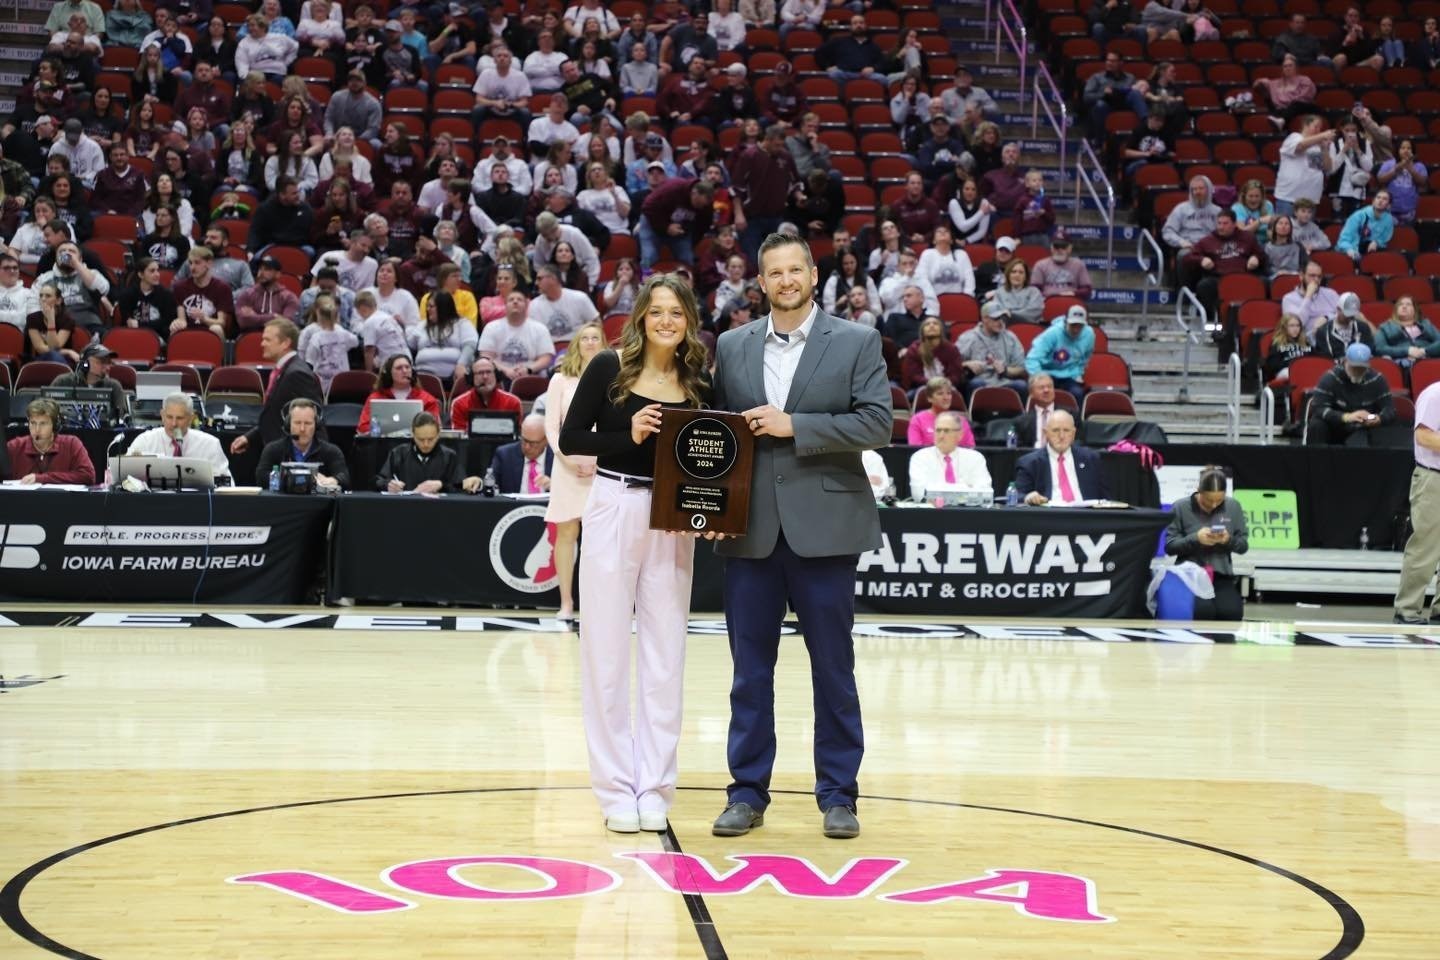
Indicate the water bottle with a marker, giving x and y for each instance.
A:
(374, 428)
(1364, 538)
(275, 479)
(487, 486)
(1012, 439)
(1012, 493)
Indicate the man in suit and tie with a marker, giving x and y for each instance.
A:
(292, 379)
(1060, 472)
(1030, 425)
(814, 392)
(523, 466)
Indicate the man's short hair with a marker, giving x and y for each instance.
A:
(545, 221)
(44, 407)
(200, 252)
(705, 188)
(285, 330)
(178, 399)
(1225, 212)
(1304, 203)
(777, 240)
(547, 270)
(281, 183)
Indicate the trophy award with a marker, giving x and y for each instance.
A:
(702, 472)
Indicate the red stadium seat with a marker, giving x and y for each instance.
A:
(1416, 288)
(1362, 286)
(236, 384)
(992, 403)
(138, 346)
(958, 308)
(1384, 263)
(201, 349)
(351, 386)
(1423, 374)
(39, 373)
(1107, 405)
(1107, 371)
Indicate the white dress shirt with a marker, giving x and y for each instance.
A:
(875, 469)
(1042, 416)
(927, 471)
(782, 357)
(1055, 495)
(196, 445)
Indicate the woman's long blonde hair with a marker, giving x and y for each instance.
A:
(689, 357)
(573, 363)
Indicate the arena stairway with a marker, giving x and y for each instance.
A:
(22, 38)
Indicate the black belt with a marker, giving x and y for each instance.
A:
(625, 478)
(1431, 469)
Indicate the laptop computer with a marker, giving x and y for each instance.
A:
(394, 416)
(165, 473)
(497, 425)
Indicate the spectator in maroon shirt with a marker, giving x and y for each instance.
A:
(1004, 187)
(676, 215)
(120, 187)
(785, 100)
(917, 214)
(761, 180)
(46, 456)
(206, 94)
(687, 97)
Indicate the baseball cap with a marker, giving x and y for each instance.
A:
(44, 118)
(655, 165)
(940, 118)
(783, 67)
(499, 138)
(1007, 244)
(1076, 314)
(736, 69)
(99, 351)
(1358, 354)
(654, 140)
(269, 263)
(1350, 304)
(73, 125)
(395, 25)
(1059, 240)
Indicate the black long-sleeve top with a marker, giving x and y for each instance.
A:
(406, 464)
(609, 442)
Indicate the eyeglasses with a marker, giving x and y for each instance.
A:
(940, 430)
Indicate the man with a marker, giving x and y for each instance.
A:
(687, 41)
(502, 91)
(1368, 229)
(761, 183)
(964, 95)
(993, 355)
(423, 465)
(486, 393)
(500, 156)
(850, 56)
(561, 204)
(687, 97)
(291, 379)
(1192, 220)
(947, 465)
(301, 445)
(903, 326)
(1349, 402)
(1004, 186)
(354, 267)
(807, 472)
(44, 454)
(178, 437)
(1228, 250)
(235, 273)
(942, 150)
(284, 219)
(991, 276)
(356, 108)
(549, 232)
(1063, 350)
(82, 287)
(1113, 88)
(1112, 19)
(784, 102)
(518, 346)
(398, 63)
(1312, 301)
(806, 148)
(1061, 275)
(204, 300)
(1422, 550)
(589, 94)
(1304, 165)
(1060, 473)
(94, 373)
(1346, 327)
(1298, 42)
(562, 311)
(1030, 426)
(404, 217)
(502, 203)
(553, 125)
(676, 215)
(14, 295)
(266, 300)
(915, 213)
(524, 465)
(59, 18)
(209, 96)
(736, 100)
(85, 156)
(120, 187)
(893, 287)
(1151, 142)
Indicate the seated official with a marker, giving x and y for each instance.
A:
(94, 372)
(178, 437)
(44, 455)
(1030, 425)
(485, 394)
(1349, 402)
(1208, 528)
(397, 382)
(524, 465)
(301, 419)
(1060, 472)
(423, 465)
(947, 465)
(875, 470)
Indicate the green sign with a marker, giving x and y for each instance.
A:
(1272, 518)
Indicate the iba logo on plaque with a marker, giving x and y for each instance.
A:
(702, 472)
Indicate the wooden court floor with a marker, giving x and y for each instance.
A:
(354, 794)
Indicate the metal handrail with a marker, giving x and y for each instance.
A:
(1187, 298)
(1267, 416)
(1153, 278)
(1060, 126)
(1020, 46)
(1232, 399)
(1106, 206)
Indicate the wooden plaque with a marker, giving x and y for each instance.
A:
(702, 472)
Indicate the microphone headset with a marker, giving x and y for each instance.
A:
(301, 402)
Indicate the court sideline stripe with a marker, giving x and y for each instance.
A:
(695, 903)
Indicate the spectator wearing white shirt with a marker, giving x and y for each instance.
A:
(542, 67)
(264, 51)
(552, 127)
(14, 298)
(727, 27)
(1304, 165)
(561, 311)
(801, 15)
(390, 296)
(946, 268)
(576, 17)
(605, 199)
(520, 179)
(906, 274)
(381, 334)
(519, 345)
(85, 155)
(502, 91)
(178, 437)
(354, 265)
(550, 231)
(947, 465)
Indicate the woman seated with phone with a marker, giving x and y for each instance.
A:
(1208, 529)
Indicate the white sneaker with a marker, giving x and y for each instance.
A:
(653, 821)
(623, 823)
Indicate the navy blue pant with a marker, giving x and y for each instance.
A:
(821, 591)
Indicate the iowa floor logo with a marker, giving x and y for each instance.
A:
(522, 550)
(19, 542)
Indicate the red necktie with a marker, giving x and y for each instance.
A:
(1067, 492)
(270, 383)
(532, 482)
(176, 445)
(949, 470)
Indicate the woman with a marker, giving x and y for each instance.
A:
(1253, 212)
(1290, 95)
(970, 213)
(1352, 161)
(1407, 337)
(164, 243)
(393, 298)
(560, 157)
(319, 35)
(28, 245)
(510, 252)
(846, 276)
(102, 119)
(397, 382)
(886, 257)
(986, 148)
(447, 280)
(570, 477)
(1287, 344)
(295, 119)
(334, 221)
(447, 236)
(45, 455)
(947, 269)
(572, 277)
(399, 159)
(592, 64)
(144, 137)
(290, 161)
(253, 98)
(1405, 177)
(127, 24)
(444, 345)
(217, 48)
(639, 573)
(242, 162)
(930, 356)
(941, 394)
(598, 150)
(151, 79)
(441, 150)
(147, 302)
(45, 94)
(48, 331)
(71, 206)
(1208, 529)
(905, 59)
(1167, 98)
(198, 134)
(1282, 253)
(1015, 300)
(324, 344)
(344, 149)
(910, 107)
(856, 308)
(493, 306)
(605, 199)
(618, 296)
(164, 194)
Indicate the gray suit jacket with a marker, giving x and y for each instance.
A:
(812, 485)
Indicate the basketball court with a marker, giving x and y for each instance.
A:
(412, 783)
